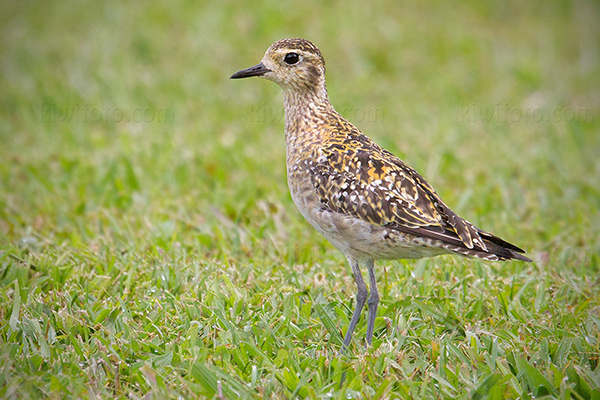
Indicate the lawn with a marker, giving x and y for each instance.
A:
(149, 247)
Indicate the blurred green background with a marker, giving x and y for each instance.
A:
(141, 190)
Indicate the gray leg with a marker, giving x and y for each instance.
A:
(361, 298)
(373, 302)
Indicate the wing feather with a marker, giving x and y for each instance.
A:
(355, 176)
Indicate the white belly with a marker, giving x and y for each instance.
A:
(353, 236)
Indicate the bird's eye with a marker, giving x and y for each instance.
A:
(291, 58)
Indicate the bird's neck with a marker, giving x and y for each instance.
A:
(304, 111)
(307, 120)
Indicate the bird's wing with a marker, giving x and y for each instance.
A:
(355, 176)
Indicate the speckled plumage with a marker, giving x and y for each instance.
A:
(363, 199)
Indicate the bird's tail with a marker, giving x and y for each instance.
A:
(497, 249)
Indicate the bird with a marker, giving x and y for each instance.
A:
(363, 199)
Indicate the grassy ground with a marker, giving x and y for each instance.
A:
(149, 247)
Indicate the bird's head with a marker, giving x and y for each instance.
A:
(294, 64)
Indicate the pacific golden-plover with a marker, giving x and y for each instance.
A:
(367, 202)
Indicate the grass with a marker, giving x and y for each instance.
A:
(149, 247)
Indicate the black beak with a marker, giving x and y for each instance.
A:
(257, 70)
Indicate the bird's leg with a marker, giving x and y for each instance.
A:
(361, 298)
(372, 302)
